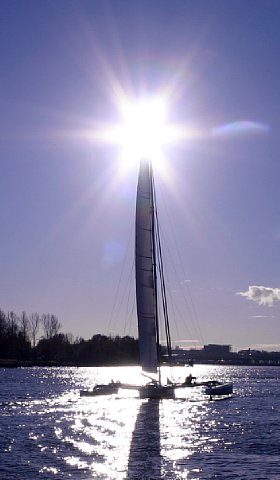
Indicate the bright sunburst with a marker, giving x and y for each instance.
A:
(143, 131)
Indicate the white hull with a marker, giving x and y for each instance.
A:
(222, 389)
(108, 389)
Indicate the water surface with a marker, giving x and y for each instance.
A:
(48, 431)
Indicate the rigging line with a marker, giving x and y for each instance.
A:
(175, 306)
(163, 290)
(122, 301)
(164, 302)
(112, 315)
(169, 295)
(191, 314)
(166, 319)
(190, 295)
(130, 317)
(192, 310)
(154, 262)
(129, 297)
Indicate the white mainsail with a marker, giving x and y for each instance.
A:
(144, 269)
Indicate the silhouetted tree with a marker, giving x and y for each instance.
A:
(59, 347)
(3, 333)
(24, 325)
(103, 350)
(34, 322)
(51, 325)
(12, 332)
(56, 348)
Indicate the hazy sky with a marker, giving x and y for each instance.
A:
(67, 208)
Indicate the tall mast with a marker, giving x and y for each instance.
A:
(158, 265)
(154, 250)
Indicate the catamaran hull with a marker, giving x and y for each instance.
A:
(156, 391)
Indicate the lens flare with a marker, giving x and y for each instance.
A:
(240, 127)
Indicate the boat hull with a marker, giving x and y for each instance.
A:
(109, 389)
(222, 389)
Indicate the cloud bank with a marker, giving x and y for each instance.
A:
(262, 295)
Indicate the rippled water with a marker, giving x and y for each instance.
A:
(48, 431)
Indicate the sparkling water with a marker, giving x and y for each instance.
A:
(47, 431)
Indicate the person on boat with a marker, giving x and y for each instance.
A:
(189, 379)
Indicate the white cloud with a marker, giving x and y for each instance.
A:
(262, 295)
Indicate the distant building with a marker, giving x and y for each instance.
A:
(245, 353)
(216, 352)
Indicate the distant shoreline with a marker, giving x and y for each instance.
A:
(44, 363)
(10, 363)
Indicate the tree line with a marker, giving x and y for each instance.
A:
(37, 339)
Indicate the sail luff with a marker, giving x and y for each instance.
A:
(144, 270)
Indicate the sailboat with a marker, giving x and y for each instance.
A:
(150, 285)
(150, 293)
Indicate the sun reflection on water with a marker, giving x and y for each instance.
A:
(54, 433)
(121, 436)
(136, 436)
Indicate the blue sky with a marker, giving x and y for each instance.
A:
(67, 209)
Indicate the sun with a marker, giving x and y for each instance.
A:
(142, 134)
(143, 131)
